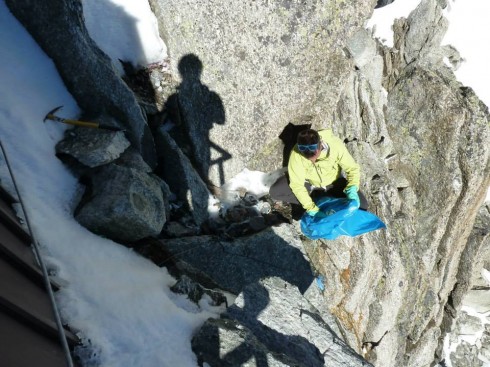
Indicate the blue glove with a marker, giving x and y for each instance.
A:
(351, 193)
(318, 214)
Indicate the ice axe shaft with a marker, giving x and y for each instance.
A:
(94, 125)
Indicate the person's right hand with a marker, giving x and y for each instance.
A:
(352, 194)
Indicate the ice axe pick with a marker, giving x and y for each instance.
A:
(94, 125)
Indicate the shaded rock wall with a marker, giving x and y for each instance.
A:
(184, 181)
(58, 27)
(259, 335)
(231, 265)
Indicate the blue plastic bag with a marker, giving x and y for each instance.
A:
(343, 219)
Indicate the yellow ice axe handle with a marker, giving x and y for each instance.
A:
(93, 125)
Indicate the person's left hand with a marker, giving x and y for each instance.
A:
(351, 193)
(318, 214)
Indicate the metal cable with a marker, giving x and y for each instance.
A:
(59, 324)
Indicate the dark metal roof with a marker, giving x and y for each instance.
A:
(29, 333)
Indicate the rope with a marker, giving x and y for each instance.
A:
(59, 324)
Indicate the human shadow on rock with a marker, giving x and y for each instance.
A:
(260, 342)
(195, 109)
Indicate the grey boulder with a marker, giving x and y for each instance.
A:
(93, 147)
(125, 204)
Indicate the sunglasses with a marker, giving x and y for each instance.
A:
(310, 147)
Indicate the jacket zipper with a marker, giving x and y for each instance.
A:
(320, 177)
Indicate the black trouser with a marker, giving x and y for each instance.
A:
(281, 191)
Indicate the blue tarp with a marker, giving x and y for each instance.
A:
(343, 219)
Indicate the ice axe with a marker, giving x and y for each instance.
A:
(94, 125)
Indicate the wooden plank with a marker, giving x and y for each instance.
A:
(23, 294)
(20, 254)
(28, 302)
(10, 220)
(18, 291)
(21, 346)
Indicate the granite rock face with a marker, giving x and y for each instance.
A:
(247, 69)
(469, 335)
(424, 153)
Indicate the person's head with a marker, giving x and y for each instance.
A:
(308, 142)
(190, 67)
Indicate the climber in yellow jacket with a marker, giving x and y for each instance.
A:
(319, 165)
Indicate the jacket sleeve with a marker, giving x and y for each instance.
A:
(297, 177)
(349, 166)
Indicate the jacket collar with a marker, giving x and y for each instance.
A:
(325, 149)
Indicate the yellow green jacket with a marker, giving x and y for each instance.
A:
(324, 171)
